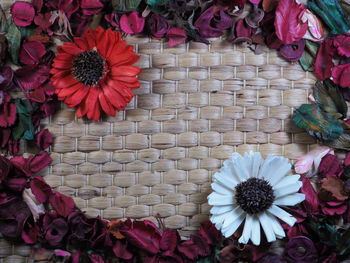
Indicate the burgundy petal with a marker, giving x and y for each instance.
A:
(39, 161)
(91, 7)
(294, 51)
(31, 52)
(43, 139)
(62, 204)
(40, 189)
(341, 75)
(132, 23)
(323, 61)
(176, 36)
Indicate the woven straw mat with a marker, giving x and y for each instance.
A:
(197, 105)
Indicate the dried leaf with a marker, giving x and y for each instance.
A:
(317, 123)
(125, 5)
(157, 2)
(331, 12)
(329, 98)
(306, 61)
(334, 185)
(341, 143)
(14, 38)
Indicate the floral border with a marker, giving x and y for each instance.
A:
(32, 212)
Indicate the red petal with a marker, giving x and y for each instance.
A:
(62, 64)
(125, 71)
(81, 43)
(69, 90)
(115, 98)
(105, 105)
(77, 97)
(70, 48)
(63, 205)
(288, 21)
(65, 82)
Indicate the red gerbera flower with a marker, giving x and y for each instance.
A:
(95, 73)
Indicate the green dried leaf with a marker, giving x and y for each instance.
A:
(331, 12)
(125, 5)
(343, 246)
(24, 126)
(330, 99)
(312, 47)
(341, 143)
(317, 123)
(306, 61)
(157, 2)
(14, 39)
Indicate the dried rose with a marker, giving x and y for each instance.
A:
(132, 23)
(293, 52)
(301, 249)
(157, 26)
(176, 36)
(31, 52)
(53, 229)
(14, 212)
(22, 13)
(212, 22)
(43, 139)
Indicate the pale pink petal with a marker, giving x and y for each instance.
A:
(311, 161)
(315, 29)
(34, 205)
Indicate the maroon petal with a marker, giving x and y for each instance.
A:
(330, 165)
(209, 232)
(44, 21)
(62, 204)
(120, 249)
(16, 184)
(40, 189)
(341, 75)
(43, 139)
(31, 52)
(157, 26)
(311, 202)
(30, 233)
(32, 76)
(38, 95)
(342, 43)
(5, 168)
(39, 162)
(189, 249)
(8, 114)
(96, 258)
(176, 36)
(170, 238)
(323, 61)
(22, 13)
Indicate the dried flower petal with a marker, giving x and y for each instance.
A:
(43, 139)
(132, 23)
(22, 13)
(31, 52)
(294, 51)
(176, 36)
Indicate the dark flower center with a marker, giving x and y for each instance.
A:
(254, 195)
(88, 67)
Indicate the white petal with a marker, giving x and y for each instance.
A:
(220, 209)
(231, 228)
(233, 215)
(281, 214)
(289, 179)
(290, 200)
(226, 177)
(221, 189)
(267, 227)
(288, 189)
(218, 199)
(253, 162)
(219, 219)
(255, 235)
(239, 167)
(247, 230)
(276, 226)
(274, 169)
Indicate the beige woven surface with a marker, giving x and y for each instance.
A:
(197, 105)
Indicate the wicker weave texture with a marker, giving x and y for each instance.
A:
(196, 106)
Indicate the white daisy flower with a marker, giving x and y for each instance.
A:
(250, 189)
